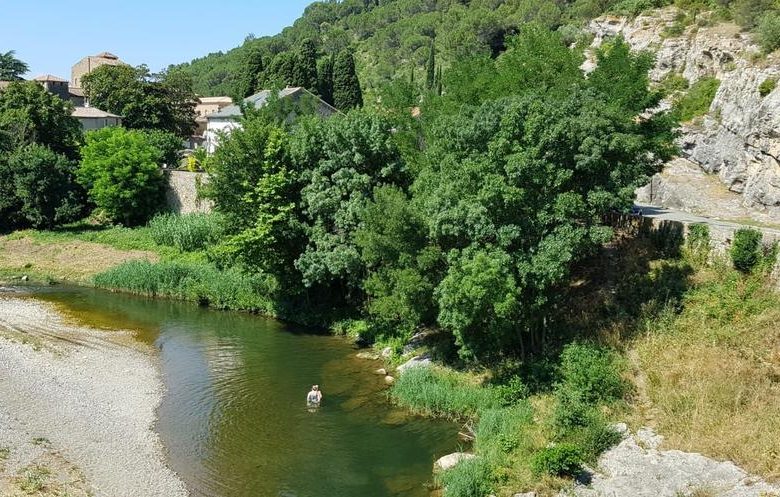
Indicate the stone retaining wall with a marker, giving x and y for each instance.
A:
(182, 195)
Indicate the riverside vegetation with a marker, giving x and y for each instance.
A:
(482, 220)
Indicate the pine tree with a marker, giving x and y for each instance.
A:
(325, 78)
(346, 86)
(431, 68)
(305, 70)
(252, 72)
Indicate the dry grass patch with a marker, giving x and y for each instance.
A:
(712, 373)
(73, 260)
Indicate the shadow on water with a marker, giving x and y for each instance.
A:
(234, 419)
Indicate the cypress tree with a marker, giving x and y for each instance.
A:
(346, 86)
(438, 81)
(325, 78)
(305, 67)
(431, 68)
(252, 72)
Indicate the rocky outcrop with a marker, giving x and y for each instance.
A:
(638, 468)
(738, 141)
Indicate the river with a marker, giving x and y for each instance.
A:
(233, 419)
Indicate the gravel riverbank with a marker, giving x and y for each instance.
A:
(79, 405)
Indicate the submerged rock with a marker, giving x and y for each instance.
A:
(389, 380)
(451, 460)
(381, 371)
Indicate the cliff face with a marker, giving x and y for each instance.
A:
(739, 139)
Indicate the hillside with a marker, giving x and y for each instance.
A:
(392, 37)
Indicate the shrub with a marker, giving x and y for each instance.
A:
(746, 249)
(500, 431)
(767, 86)
(593, 372)
(168, 144)
(38, 188)
(513, 391)
(769, 32)
(698, 99)
(558, 460)
(187, 232)
(697, 243)
(438, 392)
(468, 478)
(673, 83)
(120, 172)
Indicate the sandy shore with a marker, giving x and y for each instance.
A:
(77, 405)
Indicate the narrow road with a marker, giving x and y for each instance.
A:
(665, 214)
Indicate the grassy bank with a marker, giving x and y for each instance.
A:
(655, 335)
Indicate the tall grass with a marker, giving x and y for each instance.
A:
(444, 393)
(187, 232)
(191, 281)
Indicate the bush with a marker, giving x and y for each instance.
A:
(698, 99)
(558, 460)
(38, 188)
(468, 478)
(195, 282)
(593, 372)
(187, 232)
(697, 243)
(500, 431)
(673, 83)
(120, 172)
(767, 86)
(746, 249)
(769, 32)
(438, 392)
(168, 144)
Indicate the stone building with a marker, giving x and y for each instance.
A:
(92, 118)
(54, 85)
(206, 106)
(89, 64)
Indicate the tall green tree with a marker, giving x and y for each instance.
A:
(346, 86)
(325, 78)
(251, 72)
(29, 114)
(165, 101)
(11, 68)
(430, 67)
(305, 73)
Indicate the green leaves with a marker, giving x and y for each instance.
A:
(121, 174)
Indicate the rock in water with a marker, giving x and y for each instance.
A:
(389, 380)
(451, 460)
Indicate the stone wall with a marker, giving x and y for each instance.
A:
(182, 193)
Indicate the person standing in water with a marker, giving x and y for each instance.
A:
(314, 397)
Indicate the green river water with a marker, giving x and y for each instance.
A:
(234, 421)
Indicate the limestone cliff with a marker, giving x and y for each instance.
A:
(739, 139)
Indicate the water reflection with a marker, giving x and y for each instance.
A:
(234, 419)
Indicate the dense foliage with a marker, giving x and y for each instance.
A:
(121, 173)
(393, 38)
(468, 219)
(38, 144)
(11, 68)
(164, 102)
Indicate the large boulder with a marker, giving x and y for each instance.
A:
(415, 362)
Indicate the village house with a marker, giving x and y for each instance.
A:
(227, 119)
(92, 118)
(207, 106)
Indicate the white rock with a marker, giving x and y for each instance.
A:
(389, 380)
(381, 371)
(414, 362)
(387, 352)
(451, 460)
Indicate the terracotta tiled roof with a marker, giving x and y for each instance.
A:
(49, 77)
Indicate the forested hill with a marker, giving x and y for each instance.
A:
(391, 37)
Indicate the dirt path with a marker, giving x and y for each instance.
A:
(77, 409)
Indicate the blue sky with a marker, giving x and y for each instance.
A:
(53, 35)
